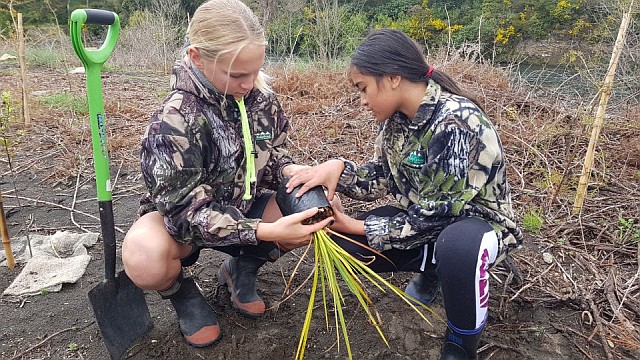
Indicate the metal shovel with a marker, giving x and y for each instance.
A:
(119, 306)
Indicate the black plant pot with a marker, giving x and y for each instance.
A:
(314, 197)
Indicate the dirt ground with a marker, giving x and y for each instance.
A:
(580, 304)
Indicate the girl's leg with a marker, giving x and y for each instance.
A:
(464, 252)
(152, 259)
(239, 272)
(393, 260)
(423, 286)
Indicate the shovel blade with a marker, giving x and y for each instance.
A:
(121, 312)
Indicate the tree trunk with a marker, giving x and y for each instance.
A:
(267, 11)
(23, 73)
(604, 99)
(5, 237)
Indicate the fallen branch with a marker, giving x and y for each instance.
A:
(18, 356)
(599, 327)
(59, 206)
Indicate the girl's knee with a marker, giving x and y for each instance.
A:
(151, 257)
(145, 240)
(463, 234)
(459, 245)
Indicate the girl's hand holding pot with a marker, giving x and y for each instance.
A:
(326, 174)
(289, 232)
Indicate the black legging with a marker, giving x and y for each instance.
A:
(463, 253)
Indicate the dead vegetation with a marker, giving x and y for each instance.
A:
(587, 262)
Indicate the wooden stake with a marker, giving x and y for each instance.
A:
(604, 99)
(11, 263)
(23, 72)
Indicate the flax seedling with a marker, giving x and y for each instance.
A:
(330, 260)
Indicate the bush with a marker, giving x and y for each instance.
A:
(150, 41)
(326, 33)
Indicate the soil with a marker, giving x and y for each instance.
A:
(559, 309)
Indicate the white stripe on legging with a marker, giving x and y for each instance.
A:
(486, 256)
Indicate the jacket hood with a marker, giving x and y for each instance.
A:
(186, 77)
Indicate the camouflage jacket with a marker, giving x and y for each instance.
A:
(446, 163)
(193, 160)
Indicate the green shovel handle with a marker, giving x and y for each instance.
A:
(93, 60)
(80, 17)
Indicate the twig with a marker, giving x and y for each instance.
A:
(575, 286)
(15, 189)
(61, 207)
(115, 179)
(499, 346)
(295, 269)
(285, 298)
(633, 279)
(531, 282)
(600, 327)
(565, 172)
(610, 294)
(49, 338)
(73, 202)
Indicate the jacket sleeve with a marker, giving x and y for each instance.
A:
(457, 168)
(367, 182)
(172, 161)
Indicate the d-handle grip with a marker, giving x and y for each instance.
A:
(100, 17)
(79, 17)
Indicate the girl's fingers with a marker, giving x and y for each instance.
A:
(299, 217)
(330, 194)
(293, 182)
(322, 224)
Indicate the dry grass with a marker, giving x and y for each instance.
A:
(595, 254)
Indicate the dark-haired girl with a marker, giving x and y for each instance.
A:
(441, 158)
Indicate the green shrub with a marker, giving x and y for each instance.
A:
(532, 221)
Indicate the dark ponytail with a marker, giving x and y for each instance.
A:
(392, 52)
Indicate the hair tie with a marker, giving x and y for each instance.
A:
(429, 72)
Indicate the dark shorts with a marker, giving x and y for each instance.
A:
(263, 249)
(259, 204)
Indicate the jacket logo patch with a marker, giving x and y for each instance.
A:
(415, 159)
(264, 135)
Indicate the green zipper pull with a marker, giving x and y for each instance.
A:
(250, 176)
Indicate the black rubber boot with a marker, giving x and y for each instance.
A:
(198, 322)
(239, 274)
(424, 286)
(460, 347)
